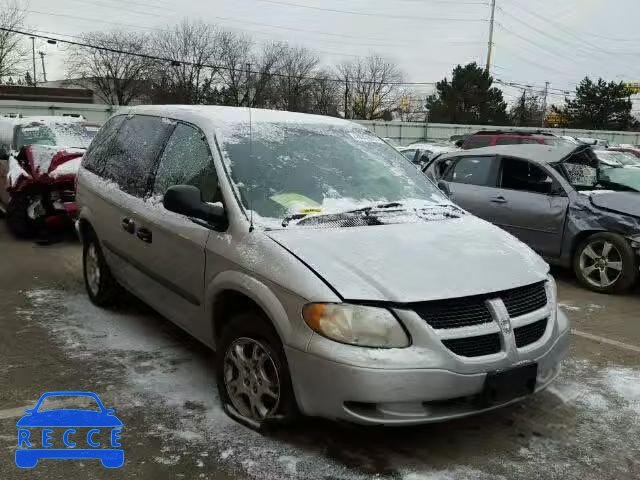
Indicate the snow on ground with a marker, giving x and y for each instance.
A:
(594, 413)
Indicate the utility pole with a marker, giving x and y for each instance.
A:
(544, 103)
(33, 49)
(491, 23)
(346, 96)
(44, 70)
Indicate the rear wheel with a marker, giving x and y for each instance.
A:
(253, 375)
(605, 263)
(101, 286)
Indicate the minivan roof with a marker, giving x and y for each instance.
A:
(216, 116)
(534, 152)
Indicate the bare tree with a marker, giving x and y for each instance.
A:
(12, 48)
(235, 72)
(325, 95)
(246, 75)
(116, 76)
(295, 81)
(194, 50)
(371, 89)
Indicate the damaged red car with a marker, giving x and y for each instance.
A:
(39, 159)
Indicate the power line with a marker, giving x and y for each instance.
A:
(369, 14)
(203, 65)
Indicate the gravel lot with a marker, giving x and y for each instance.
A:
(160, 381)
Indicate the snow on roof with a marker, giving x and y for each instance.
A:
(216, 116)
(47, 119)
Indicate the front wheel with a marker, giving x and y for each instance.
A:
(101, 286)
(605, 263)
(253, 375)
(19, 220)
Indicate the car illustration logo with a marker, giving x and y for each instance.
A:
(85, 433)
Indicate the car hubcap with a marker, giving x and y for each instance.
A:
(92, 269)
(251, 379)
(601, 264)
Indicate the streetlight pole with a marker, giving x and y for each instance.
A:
(33, 49)
(491, 23)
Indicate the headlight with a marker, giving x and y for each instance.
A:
(356, 325)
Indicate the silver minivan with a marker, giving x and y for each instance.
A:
(331, 276)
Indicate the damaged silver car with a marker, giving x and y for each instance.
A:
(564, 202)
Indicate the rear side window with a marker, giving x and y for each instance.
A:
(478, 141)
(95, 156)
(132, 155)
(481, 171)
(187, 160)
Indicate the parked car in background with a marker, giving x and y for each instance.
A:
(612, 158)
(561, 201)
(509, 137)
(421, 153)
(39, 158)
(594, 142)
(329, 274)
(630, 150)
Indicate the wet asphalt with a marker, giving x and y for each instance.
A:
(160, 383)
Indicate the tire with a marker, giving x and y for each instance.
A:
(18, 219)
(609, 253)
(102, 287)
(252, 332)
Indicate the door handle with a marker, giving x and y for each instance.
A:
(144, 235)
(499, 199)
(128, 225)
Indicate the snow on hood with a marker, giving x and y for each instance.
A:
(416, 261)
(67, 168)
(42, 155)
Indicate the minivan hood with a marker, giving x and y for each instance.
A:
(414, 262)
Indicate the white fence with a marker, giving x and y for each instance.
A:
(405, 133)
(402, 132)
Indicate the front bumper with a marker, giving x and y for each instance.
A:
(375, 395)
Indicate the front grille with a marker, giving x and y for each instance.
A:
(523, 300)
(474, 346)
(530, 333)
(455, 313)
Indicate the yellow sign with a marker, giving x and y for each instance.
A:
(405, 103)
(634, 88)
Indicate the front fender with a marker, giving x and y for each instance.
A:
(265, 298)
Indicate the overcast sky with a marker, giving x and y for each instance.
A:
(535, 40)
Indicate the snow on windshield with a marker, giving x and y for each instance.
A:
(281, 169)
(65, 134)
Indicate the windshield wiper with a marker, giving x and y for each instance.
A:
(366, 210)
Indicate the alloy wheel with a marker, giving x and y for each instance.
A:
(601, 263)
(92, 268)
(251, 379)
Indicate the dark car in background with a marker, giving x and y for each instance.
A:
(491, 138)
(561, 201)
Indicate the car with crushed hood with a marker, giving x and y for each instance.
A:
(330, 275)
(39, 158)
(572, 207)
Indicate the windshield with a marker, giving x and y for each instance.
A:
(628, 178)
(76, 135)
(300, 168)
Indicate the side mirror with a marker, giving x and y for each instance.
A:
(444, 187)
(187, 200)
(4, 154)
